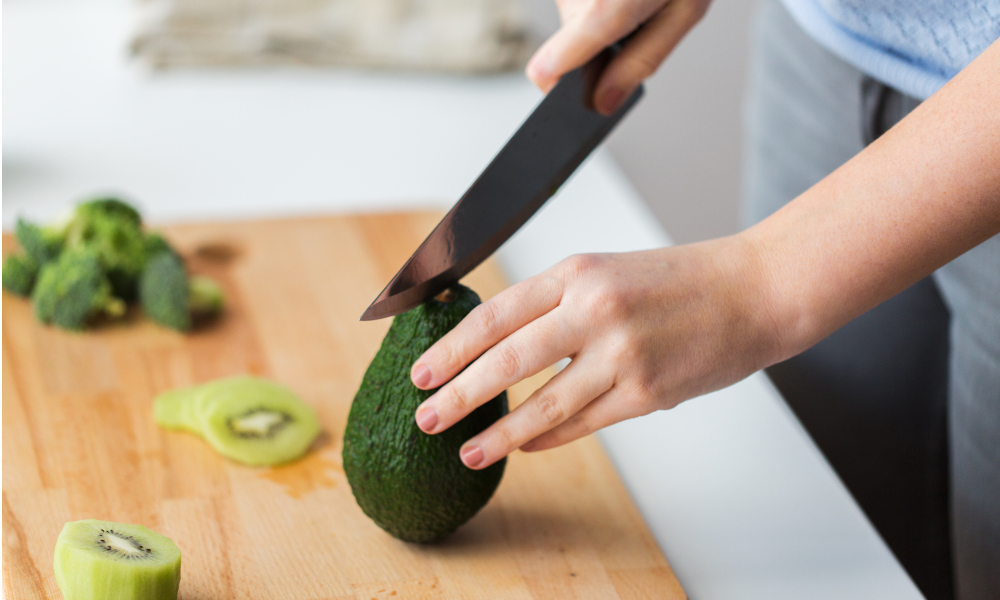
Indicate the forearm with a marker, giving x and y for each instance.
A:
(918, 197)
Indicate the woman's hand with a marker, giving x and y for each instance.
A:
(644, 330)
(589, 26)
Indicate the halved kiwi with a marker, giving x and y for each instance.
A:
(261, 423)
(114, 561)
(250, 420)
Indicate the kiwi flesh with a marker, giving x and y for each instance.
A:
(101, 560)
(173, 410)
(247, 419)
(263, 424)
(207, 395)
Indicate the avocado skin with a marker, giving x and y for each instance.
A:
(412, 484)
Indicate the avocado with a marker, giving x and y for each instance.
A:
(413, 484)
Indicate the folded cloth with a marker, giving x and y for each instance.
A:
(441, 35)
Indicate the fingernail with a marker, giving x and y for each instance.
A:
(528, 446)
(610, 100)
(421, 375)
(472, 456)
(427, 418)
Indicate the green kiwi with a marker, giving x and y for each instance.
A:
(257, 422)
(207, 395)
(101, 560)
(174, 409)
(250, 420)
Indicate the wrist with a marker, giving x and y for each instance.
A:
(773, 303)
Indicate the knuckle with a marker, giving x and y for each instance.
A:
(616, 302)
(509, 361)
(610, 19)
(601, 10)
(459, 400)
(642, 398)
(506, 438)
(607, 302)
(487, 318)
(624, 352)
(450, 357)
(643, 66)
(550, 409)
(580, 264)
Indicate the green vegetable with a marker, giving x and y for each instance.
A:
(154, 243)
(170, 298)
(72, 291)
(163, 291)
(205, 297)
(101, 560)
(99, 259)
(414, 485)
(42, 244)
(113, 230)
(19, 273)
(101, 209)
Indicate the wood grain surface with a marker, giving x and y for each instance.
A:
(79, 442)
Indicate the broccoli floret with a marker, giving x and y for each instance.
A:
(42, 244)
(113, 230)
(19, 272)
(155, 243)
(172, 299)
(205, 297)
(73, 290)
(163, 291)
(108, 209)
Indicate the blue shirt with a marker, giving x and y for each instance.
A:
(915, 46)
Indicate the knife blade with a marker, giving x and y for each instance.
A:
(548, 147)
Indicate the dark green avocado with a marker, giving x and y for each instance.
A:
(412, 484)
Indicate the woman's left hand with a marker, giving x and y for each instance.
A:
(644, 330)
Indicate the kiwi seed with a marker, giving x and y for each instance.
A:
(121, 545)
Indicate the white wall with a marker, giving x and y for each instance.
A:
(681, 145)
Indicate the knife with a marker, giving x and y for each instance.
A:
(559, 135)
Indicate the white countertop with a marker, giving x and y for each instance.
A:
(737, 495)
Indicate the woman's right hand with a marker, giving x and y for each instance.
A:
(589, 26)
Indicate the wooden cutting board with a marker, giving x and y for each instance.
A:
(79, 442)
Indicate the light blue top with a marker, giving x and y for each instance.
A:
(915, 46)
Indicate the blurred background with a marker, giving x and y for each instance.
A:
(680, 147)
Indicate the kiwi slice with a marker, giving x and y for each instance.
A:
(174, 409)
(250, 420)
(208, 394)
(257, 422)
(114, 561)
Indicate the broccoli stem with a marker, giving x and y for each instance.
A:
(205, 297)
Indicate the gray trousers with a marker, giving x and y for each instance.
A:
(807, 113)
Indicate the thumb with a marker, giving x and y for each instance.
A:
(576, 42)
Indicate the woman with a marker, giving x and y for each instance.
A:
(648, 330)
